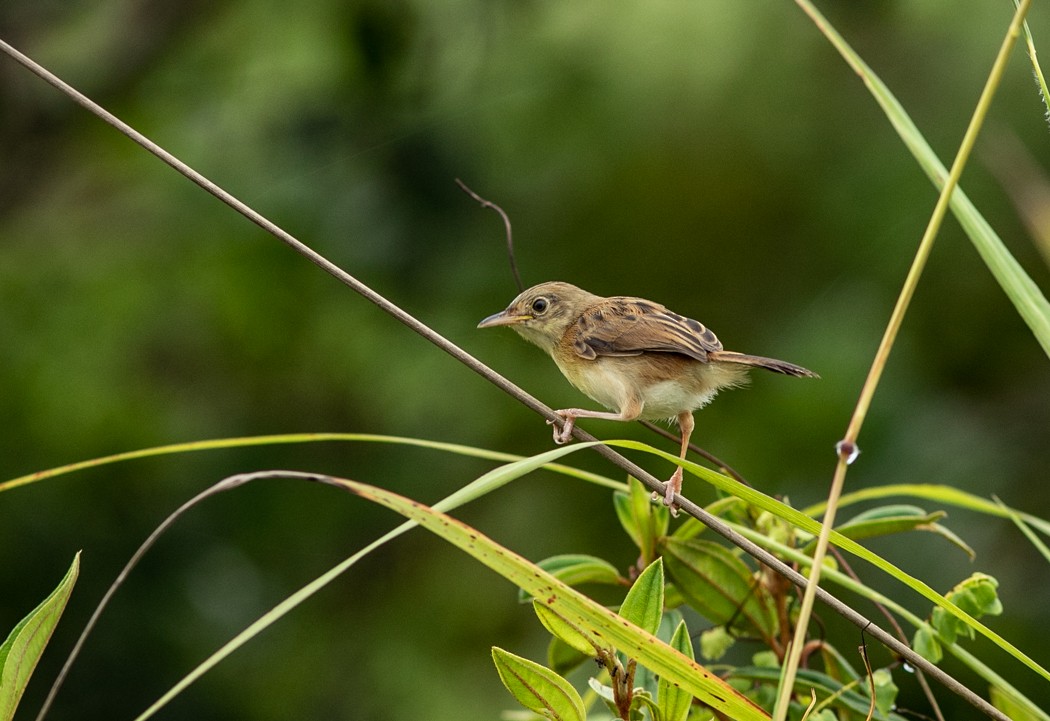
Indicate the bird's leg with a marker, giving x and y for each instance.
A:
(631, 410)
(674, 485)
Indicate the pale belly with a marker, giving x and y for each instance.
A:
(616, 384)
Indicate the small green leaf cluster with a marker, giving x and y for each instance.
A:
(977, 595)
(680, 575)
(627, 693)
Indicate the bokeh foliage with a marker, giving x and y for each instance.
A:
(715, 156)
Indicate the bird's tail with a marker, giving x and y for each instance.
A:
(771, 364)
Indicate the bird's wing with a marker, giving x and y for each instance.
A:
(622, 326)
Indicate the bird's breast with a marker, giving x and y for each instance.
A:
(599, 380)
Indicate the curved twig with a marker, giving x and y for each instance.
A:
(223, 485)
(506, 226)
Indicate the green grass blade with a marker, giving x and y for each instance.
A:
(942, 494)
(572, 605)
(224, 443)
(1028, 533)
(1037, 70)
(1029, 301)
(485, 484)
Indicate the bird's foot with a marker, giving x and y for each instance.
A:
(673, 486)
(563, 433)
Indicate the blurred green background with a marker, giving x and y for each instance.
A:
(716, 156)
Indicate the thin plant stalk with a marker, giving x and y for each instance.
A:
(847, 447)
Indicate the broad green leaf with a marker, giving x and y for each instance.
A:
(572, 605)
(674, 703)
(644, 604)
(672, 596)
(719, 585)
(537, 688)
(577, 568)
(21, 651)
(579, 639)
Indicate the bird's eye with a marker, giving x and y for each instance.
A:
(540, 305)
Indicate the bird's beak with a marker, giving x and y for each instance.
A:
(502, 318)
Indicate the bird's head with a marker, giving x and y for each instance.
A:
(543, 313)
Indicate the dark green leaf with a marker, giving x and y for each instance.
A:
(672, 596)
(719, 585)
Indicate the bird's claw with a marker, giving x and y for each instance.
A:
(563, 434)
(673, 486)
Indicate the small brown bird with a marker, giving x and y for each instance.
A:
(634, 356)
